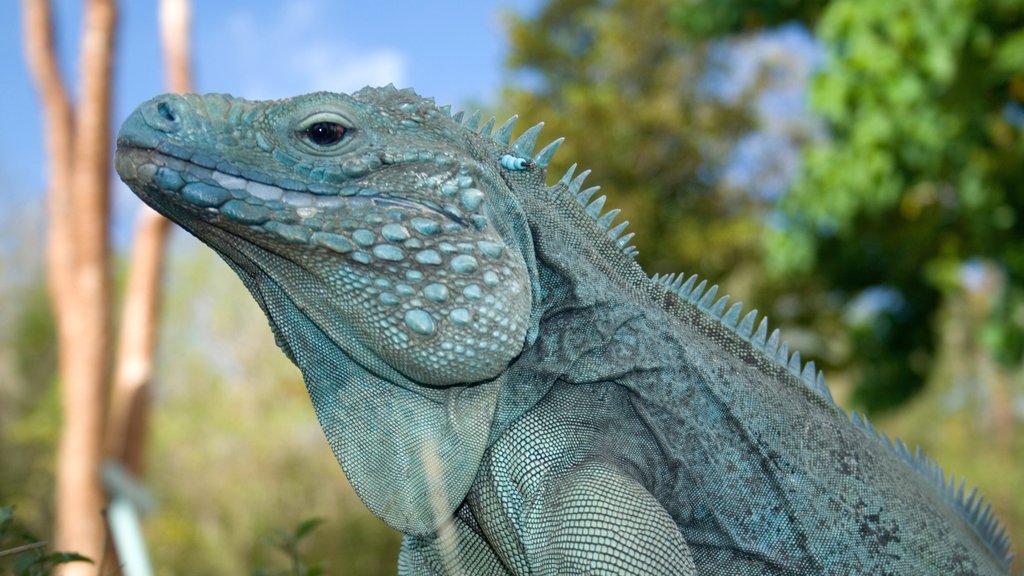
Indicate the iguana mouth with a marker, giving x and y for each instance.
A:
(245, 196)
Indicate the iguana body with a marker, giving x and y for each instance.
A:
(499, 378)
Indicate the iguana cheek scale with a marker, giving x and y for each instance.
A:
(499, 378)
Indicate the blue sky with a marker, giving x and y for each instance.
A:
(451, 50)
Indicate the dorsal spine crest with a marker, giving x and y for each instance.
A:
(973, 508)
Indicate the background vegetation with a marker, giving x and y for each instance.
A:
(892, 252)
(854, 168)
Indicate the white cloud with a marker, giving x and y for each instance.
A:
(327, 67)
(298, 47)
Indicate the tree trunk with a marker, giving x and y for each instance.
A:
(78, 263)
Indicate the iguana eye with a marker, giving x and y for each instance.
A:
(325, 133)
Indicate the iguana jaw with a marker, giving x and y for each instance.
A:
(253, 210)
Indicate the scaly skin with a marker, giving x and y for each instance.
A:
(500, 380)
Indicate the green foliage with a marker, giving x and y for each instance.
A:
(29, 418)
(633, 100)
(715, 18)
(289, 543)
(919, 176)
(35, 330)
(25, 555)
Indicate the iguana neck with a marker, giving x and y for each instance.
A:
(586, 289)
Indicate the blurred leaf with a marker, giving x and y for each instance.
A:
(6, 518)
(1010, 57)
(289, 543)
(28, 554)
(306, 527)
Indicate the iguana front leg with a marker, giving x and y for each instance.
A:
(558, 492)
(592, 519)
(597, 520)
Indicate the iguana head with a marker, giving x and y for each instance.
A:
(374, 212)
(389, 254)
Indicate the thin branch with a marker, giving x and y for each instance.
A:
(22, 548)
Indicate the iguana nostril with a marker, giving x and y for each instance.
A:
(163, 114)
(166, 112)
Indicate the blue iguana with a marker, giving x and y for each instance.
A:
(499, 378)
